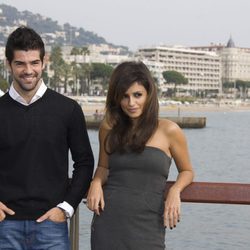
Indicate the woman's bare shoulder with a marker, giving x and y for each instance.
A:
(172, 130)
(168, 126)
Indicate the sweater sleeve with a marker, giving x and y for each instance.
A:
(82, 157)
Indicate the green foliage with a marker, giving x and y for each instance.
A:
(174, 77)
(66, 75)
(45, 77)
(228, 85)
(242, 84)
(75, 71)
(184, 99)
(101, 73)
(57, 65)
(45, 26)
(101, 70)
(3, 84)
(56, 56)
(238, 84)
(80, 51)
(85, 79)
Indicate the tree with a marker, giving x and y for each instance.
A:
(85, 77)
(66, 75)
(75, 51)
(79, 51)
(174, 77)
(75, 70)
(3, 82)
(84, 51)
(57, 63)
(241, 86)
(101, 71)
(80, 71)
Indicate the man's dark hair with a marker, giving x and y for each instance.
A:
(23, 38)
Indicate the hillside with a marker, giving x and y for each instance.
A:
(50, 30)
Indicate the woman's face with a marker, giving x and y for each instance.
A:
(133, 100)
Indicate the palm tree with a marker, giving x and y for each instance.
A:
(81, 71)
(66, 75)
(57, 63)
(85, 77)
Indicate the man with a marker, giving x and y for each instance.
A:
(38, 127)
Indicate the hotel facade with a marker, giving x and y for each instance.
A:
(201, 68)
(235, 61)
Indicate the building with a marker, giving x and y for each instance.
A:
(94, 54)
(235, 61)
(201, 68)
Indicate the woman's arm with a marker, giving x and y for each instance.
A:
(95, 198)
(179, 151)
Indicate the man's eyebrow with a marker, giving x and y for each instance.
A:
(36, 60)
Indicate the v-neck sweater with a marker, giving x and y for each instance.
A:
(34, 147)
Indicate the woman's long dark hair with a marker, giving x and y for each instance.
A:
(123, 134)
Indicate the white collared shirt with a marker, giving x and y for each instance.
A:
(39, 93)
(17, 97)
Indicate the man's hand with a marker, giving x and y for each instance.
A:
(5, 210)
(55, 214)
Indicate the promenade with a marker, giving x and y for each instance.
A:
(91, 107)
(90, 104)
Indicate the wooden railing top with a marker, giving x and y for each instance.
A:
(213, 192)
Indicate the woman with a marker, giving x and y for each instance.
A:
(136, 148)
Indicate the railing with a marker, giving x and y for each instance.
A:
(213, 192)
(74, 231)
(198, 192)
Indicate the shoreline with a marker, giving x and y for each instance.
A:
(91, 104)
(90, 108)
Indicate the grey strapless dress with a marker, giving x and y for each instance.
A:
(134, 203)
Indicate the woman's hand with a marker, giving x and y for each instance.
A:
(172, 210)
(95, 198)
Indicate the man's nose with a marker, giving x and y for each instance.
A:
(28, 69)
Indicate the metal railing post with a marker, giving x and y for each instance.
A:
(74, 231)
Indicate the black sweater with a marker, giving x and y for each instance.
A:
(34, 148)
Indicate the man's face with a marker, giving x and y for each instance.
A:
(26, 69)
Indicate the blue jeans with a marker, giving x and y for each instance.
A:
(30, 235)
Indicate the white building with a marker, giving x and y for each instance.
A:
(97, 54)
(235, 61)
(201, 68)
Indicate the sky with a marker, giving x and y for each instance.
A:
(139, 23)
